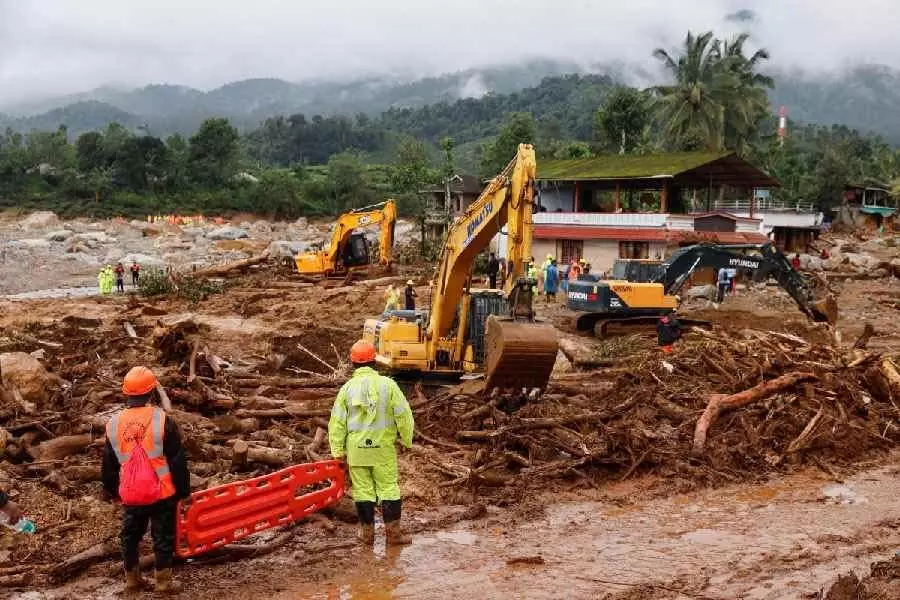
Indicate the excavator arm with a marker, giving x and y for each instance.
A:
(761, 260)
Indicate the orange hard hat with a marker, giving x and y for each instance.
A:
(139, 381)
(362, 352)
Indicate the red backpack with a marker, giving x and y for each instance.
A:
(138, 481)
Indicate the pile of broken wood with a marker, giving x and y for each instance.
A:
(727, 406)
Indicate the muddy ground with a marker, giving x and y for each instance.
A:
(790, 492)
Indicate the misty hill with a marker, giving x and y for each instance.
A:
(466, 105)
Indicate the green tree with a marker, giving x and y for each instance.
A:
(622, 119)
(141, 162)
(519, 128)
(213, 153)
(52, 148)
(347, 182)
(177, 164)
(409, 177)
(278, 193)
(89, 151)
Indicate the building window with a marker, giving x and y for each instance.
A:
(571, 250)
(634, 249)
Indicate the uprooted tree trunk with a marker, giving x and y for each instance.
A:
(718, 403)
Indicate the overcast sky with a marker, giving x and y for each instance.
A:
(60, 46)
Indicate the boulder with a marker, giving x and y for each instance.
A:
(40, 220)
(808, 262)
(261, 226)
(192, 232)
(228, 232)
(861, 260)
(286, 249)
(94, 238)
(701, 291)
(301, 223)
(25, 373)
(60, 235)
(144, 260)
(33, 244)
(895, 267)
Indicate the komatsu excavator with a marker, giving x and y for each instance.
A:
(468, 330)
(348, 250)
(634, 302)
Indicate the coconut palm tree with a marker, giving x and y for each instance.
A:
(717, 98)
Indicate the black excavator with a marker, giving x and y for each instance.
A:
(605, 302)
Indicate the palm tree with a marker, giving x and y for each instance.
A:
(717, 98)
(692, 107)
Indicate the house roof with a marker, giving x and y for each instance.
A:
(693, 168)
(642, 234)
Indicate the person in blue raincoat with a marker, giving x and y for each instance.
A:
(551, 280)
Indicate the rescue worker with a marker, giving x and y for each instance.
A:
(135, 273)
(585, 267)
(795, 262)
(493, 267)
(108, 279)
(120, 278)
(722, 285)
(575, 269)
(369, 416)
(668, 330)
(551, 281)
(101, 281)
(410, 296)
(542, 274)
(531, 273)
(139, 422)
(391, 299)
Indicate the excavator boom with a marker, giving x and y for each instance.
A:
(347, 250)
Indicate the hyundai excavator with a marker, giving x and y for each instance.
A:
(348, 249)
(632, 302)
(468, 330)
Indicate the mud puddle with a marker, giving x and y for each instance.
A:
(54, 293)
(781, 540)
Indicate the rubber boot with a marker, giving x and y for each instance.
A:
(391, 510)
(365, 511)
(394, 536)
(133, 581)
(165, 584)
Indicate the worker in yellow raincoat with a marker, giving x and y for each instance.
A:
(370, 415)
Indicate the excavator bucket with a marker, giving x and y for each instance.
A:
(825, 309)
(519, 354)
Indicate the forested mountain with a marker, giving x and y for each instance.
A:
(170, 108)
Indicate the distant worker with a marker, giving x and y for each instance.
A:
(110, 279)
(575, 269)
(722, 284)
(824, 255)
(504, 272)
(585, 267)
(391, 299)
(795, 262)
(531, 273)
(410, 295)
(668, 330)
(370, 415)
(144, 466)
(542, 273)
(135, 273)
(732, 280)
(120, 278)
(101, 281)
(551, 280)
(493, 267)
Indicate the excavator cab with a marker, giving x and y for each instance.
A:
(356, 251)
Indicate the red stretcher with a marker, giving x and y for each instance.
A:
(224, 514)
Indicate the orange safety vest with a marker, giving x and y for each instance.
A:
(130, 425)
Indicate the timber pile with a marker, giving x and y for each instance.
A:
(237, 421)
(726, 407)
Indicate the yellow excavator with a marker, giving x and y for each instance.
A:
(348, 250)
(469, 330)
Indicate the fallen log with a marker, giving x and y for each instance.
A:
(285, 412)
(82, 473)
(285, 382)
(60, 447)
(892, 375)
(239, 456)
(228, 268)
(542, 423)
(719, 403)
(75, 564)
(314, 448)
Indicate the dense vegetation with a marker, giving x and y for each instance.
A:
(716, 98)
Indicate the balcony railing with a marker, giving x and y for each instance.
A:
(601, 219)
(763, 205)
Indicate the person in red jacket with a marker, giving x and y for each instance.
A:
(135, 273)
(142, 423)
(795, 262)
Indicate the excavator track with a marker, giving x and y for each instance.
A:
(519, 354)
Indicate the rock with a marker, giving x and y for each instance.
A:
(40, 220)
(286, 249)
(144, 260)
(85, 258)
(227, 232)
(879, 273)
(895, 267)
(28, 375)
(405, 232)
(34, 244)
(60, 235)
(861, 260)
(193, 232)
(808, 262)
(701, 291)
(261, 226)
(94, 238)
(301, 223)
(562, 364)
